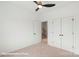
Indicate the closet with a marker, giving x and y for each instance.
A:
(64, 33)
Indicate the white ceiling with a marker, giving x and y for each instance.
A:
(31, 6)
(59, 4)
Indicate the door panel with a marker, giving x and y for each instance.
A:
(56, 37)
(67, 41)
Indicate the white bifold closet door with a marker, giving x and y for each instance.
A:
(61, 33)
(56, 31)
(67, 31)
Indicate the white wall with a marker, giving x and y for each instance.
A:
(69, 10)
(16, 26)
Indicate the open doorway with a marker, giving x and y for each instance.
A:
(44, 32)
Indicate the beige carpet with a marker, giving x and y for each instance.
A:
(41, 50)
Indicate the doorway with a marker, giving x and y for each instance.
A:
(44, 32)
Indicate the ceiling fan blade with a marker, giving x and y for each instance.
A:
(35, 2)
(48, 5)
(37, 9)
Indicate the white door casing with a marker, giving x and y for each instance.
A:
(77, 35)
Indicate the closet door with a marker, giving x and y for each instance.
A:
(67, 31)
(56, 29)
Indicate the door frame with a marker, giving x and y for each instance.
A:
(47, 30)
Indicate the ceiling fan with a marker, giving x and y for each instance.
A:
(40, 5)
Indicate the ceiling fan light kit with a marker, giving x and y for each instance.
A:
(39, 6)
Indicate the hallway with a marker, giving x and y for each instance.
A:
(41, 50)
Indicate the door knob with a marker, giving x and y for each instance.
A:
(60, 34)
